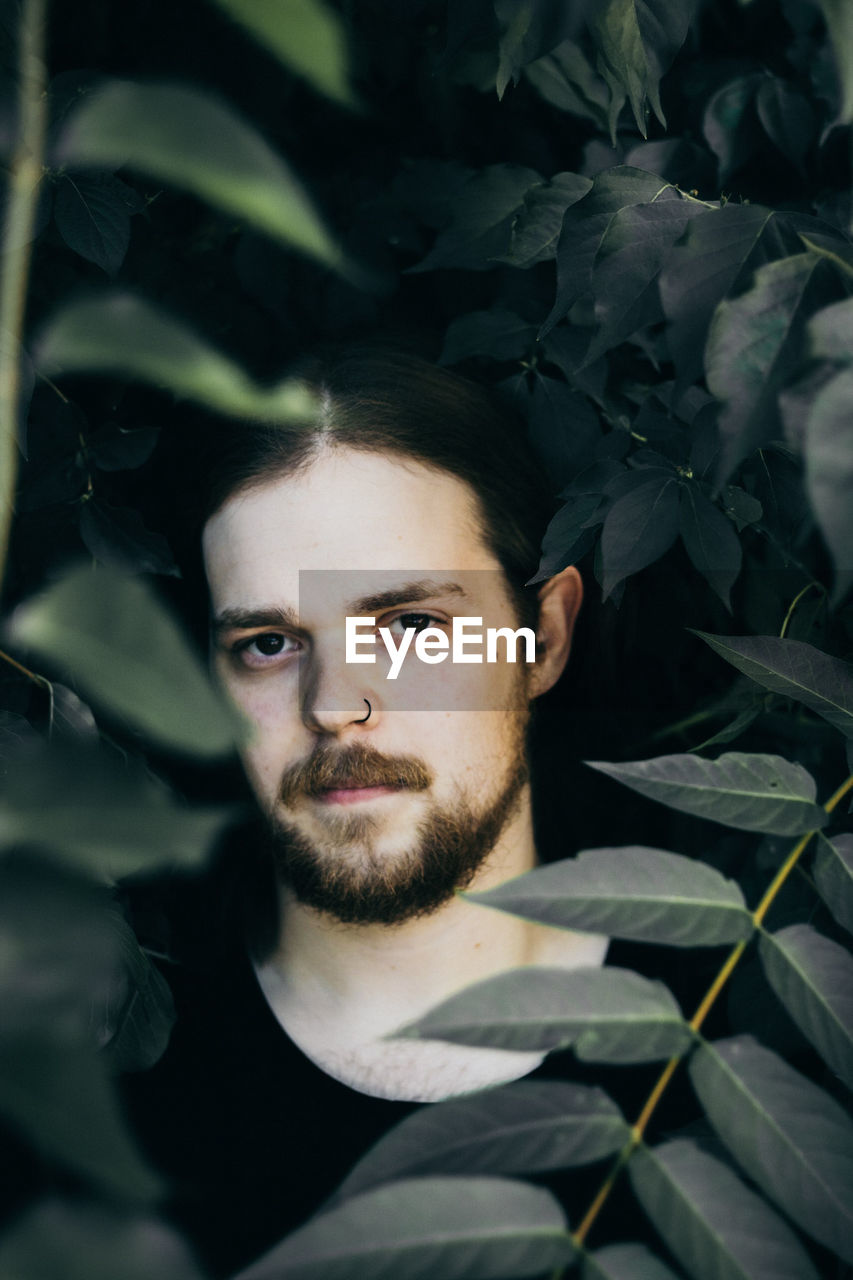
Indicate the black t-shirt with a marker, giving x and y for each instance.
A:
(253, 1137)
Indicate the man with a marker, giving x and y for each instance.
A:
(407, 506)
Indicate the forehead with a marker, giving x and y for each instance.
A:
(347, 511)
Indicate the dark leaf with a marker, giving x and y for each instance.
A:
(484, 211)
(92, 1241)
(605, 1015)
(117, 536)
(526, 1127)
(823, 683)
(833, 875)
(751, 792)
(719, 250)
(189, 137)
(788, 119)
(813, 977)
(712, 1222)
(118, 333)
(498, 334)
(624, 277)
(566, 79)
(640, 527)
(631, 892)
(585, 224)
(536, 229)
(307, 36)
(420, 1228)
(637, 41)
(93, 216)
(568, 536)
(563, 427)
(138, 1017)
(754, 342)
(731, 123)
(70, 718)
(831, 332)
(711, 542)
(111, 636)
(793, 1140)
(829, 473)
(113, 448)
(839, 20)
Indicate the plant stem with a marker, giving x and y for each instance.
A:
(24, 178)
(25, 671)
(705, 1006)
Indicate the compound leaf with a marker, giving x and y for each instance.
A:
(525, 1127)
(813, 977)
(189, 138)
(750, 791)
(111, 636)
(822, 683)
(632, 892)
(713, 1223)
(833, 875)
(307, 36)
(792, 1138)
(606, 1015)
(424, 1227)
(116, 332)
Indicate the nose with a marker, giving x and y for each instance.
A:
(334, 696)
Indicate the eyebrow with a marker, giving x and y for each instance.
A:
(281, 616)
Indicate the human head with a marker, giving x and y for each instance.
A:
(408, 460)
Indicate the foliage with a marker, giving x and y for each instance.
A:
(635, 218)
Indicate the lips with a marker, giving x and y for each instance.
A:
(352, 793)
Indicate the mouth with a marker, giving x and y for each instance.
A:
(354, 794)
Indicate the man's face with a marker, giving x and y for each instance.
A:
(376, 819)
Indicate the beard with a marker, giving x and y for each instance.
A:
(343, 874)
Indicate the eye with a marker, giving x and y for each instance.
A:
(414, 622)
(265, 649)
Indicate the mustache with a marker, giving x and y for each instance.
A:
(355, 766)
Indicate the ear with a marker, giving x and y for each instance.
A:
(560, 600)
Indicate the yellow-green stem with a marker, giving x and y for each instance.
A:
(22, 197)
(705, 1006)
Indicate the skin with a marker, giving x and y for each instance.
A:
(340, 988)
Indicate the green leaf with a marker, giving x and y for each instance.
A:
(795, 669)
(307, 36)
(710, 541)
(839, 20)
(606, 1015)
(484, 210)
(639, 528)
(787, 118)
(829, 473)
(718, 251)
(813, 977)
(117, 333)
(712, 1222)
(84, 1240)
(526, 1127)
(61, 1098)
(566, 79)
(624, 278)
(138, 1019)
(792, 1138)
(92, 213)
(748, 791)
(637, 41)
(585, 224)
(631, 892)
(102, 815)
(110, 635)
(624, 1262)
(536, 229)
(189, 138)
(754, 342)
(498, 334)
(730, 123)
(831, 332)
(833, 875)
(456, 1228)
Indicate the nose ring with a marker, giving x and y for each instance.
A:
(367, 717)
